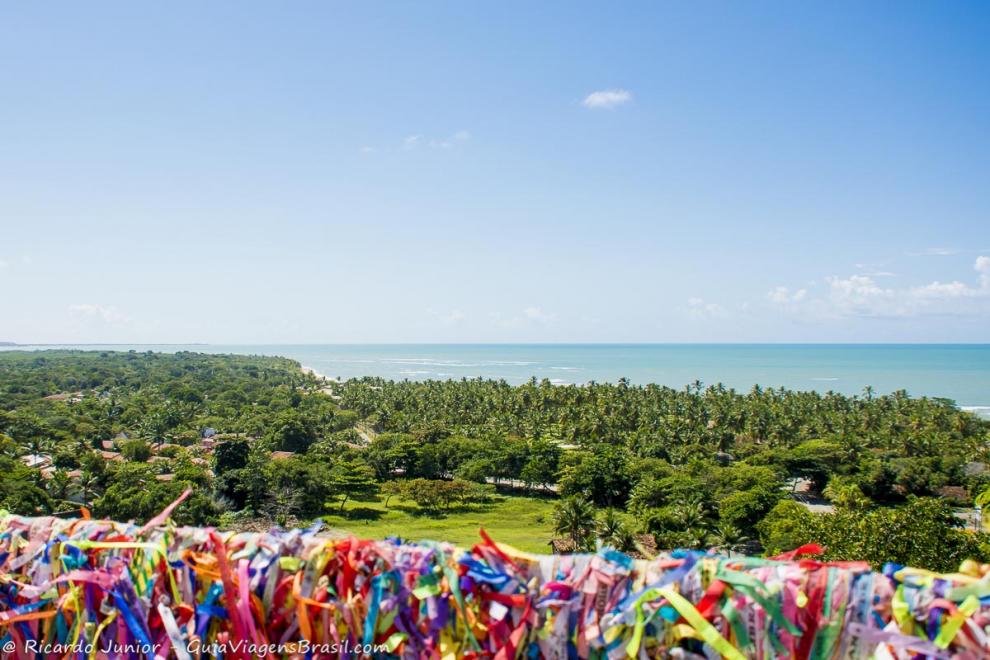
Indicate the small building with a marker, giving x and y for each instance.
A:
(111, 456)
(974, 469)
(279, 455)
(165, 477)
(107, 445)
(38, 461)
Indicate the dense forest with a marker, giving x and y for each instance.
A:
(876, 477)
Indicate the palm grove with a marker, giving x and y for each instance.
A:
(258, 440)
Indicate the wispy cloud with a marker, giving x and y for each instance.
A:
(108, 314)
(606, 99)
(863, 296)
(935, 252)
(530, 316)
(700, 309)
(782, 295)
(875, 270)
(412, 142)
(537, 314)
(23, 260)
(451, 317)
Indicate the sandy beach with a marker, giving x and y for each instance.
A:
(311, 370)
(327, 380)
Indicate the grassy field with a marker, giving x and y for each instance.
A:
(523, 522)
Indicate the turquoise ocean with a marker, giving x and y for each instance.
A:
(954, 371)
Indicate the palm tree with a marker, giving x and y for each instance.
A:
(574, 518)
(608, 525)
(89, 487)
(728, 538)
(59, 485)
(691, 514)
(612, 531)
(36, 444)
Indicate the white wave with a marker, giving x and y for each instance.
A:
(979, 411)
(566, 368)
(826, 379)
(508, 363)
(434, 362)
(430, 362)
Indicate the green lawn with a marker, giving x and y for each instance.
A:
(522, 522)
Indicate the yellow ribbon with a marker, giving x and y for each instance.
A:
(705, 631)
(951, 627)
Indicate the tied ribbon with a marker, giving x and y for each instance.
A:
(102, 582)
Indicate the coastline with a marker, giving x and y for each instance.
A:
(957, 372)
(980, 411)
(327, 381)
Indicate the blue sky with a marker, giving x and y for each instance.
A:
(389, 172)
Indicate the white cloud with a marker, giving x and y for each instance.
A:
(783, 295)
(538, 315)
(606, 99)
(453, 140)
(873, 270)
(935, 252)
(982, 266)
(453, 317)
(108, 314)
(937, 290)
(701, 310)
(531, 316)
(23, 260)
(411, 142)
(862, 296)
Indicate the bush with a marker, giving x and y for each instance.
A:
(137, 451)
(924, 533)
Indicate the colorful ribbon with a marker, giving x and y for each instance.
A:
(100, 589)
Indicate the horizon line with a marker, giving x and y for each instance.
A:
(520, 343)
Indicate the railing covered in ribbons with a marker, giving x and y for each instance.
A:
(83, 588)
